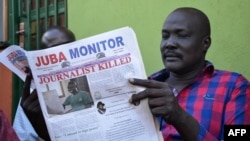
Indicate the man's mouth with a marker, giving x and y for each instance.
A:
(172, 56)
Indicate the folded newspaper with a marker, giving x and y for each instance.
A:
(84, 91)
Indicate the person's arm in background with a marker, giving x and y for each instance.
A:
(32, 109)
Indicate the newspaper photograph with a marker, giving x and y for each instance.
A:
(15, 59)
(84, 91)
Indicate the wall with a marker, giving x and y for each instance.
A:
(229, 20)
(1, 19)
(5, 73)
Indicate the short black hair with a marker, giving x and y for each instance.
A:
(68, 33)
(203, 19)
(73, 82)
(100, 103)
(56, 33)
(4, 45)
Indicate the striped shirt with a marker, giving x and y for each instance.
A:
(215, 98)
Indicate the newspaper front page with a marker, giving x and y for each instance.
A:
(15, 59)
(84, 91)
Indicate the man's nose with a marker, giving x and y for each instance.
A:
(169, 43)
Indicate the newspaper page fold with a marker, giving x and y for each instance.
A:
(84, 91)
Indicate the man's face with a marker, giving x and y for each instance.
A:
(181, 44)
(21, 64)
(72, 88)
(100, 106)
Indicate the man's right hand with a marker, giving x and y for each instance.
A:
(32, 108)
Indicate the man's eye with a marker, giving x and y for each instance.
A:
(165, 35)
(182, 35)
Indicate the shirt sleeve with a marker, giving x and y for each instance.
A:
(237, 109)
(23, 127)
(67, 101)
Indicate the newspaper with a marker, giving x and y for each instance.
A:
(14, 58)
(84, 91)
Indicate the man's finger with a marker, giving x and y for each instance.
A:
(159, 111)
(147, 83)
(157, 102)
(141, 95)
(135, 98)
(26, 103)
(150, 93)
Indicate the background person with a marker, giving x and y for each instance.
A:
(29, 120)
(192, 99)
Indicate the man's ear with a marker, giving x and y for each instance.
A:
(206, 43)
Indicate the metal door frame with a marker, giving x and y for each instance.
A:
(20, 11)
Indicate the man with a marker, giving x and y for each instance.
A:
(79, 99)
(101, 107)
(21, 62)
(192, 99)
(52, 37)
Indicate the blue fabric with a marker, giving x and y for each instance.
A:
(23, 127)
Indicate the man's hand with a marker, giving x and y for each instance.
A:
(162, 102)
(161, 99)
(32, 109)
